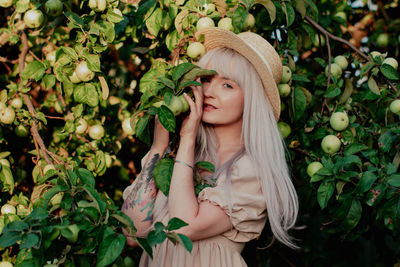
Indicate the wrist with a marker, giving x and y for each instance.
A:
(158, 150)
(187, 140)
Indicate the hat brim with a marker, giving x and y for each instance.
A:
(216, 37)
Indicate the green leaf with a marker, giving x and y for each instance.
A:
(155, 238)
(178, 71)
(9, 238)
(205, 165)
(93, 61)
(100, 205)
(68, 51)
(239, 18)
(394, 180)
(324, 193)
(175, 223)
(86, 93)
(373, 86)
(300, 103)
(172, 40)
(186, 242)
(114, 17)
(110, 248)
(167, 82)
(389, 72)
(332, 91)
(348, 160)
(167, 118)
(142, 129)
(354, 215)
(162, 174)
(86, 177)
(29, 240)
(375, 194)
(49, 80)
(300, 78)
(301, 7)
(145, 246)
(34, 70)
(39, 214)
(385, 141)
(22, 5)
(104, 29)
(289, 12)
(74, 20)
(269, 6)
(367, 180)
(354, 148)
(7, 179)
(189, 83)
(197, 72)
(18, 226)
(153, 23)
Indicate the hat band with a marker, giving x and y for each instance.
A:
(261, 57)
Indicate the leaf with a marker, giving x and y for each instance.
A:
(389, 72)
(197, 72)
(373, 86)
(332, 91)
(86, 93)
(205, 165)
(348, 90)
(175, 223)
(181, 69)
(269, 6)
(49, 80)
(85, 176)
(17, 226)
(105, 29)
(367, 180)
(167, 118)
(7, 179)
(172, 40)
(167, 82)
(186, 242)
(114, 17)
(189, 83)
(104, 88)
(110, 248)
(153, 23)
(93, 61)
(301, 8)
(39, 214)
(22, 6)
(239, 18)
(394, 180)
(142, 129)
(9, 238)
(299, 102)
(354, 148)
(68, 51)
(162, 174)
(34, 70)
(99, 204)
(154, 238)
(386, 140)
(354, 215)
(324, 193)
(145, 246)
(29, 240)
(289, 12)
(179, 20)
(300, 78)
(75, 20)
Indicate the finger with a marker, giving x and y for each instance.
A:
(191, 103)
(198, 94)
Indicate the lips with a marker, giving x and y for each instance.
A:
(208, 106)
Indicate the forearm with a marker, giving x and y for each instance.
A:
(140, 202)
(182, 200)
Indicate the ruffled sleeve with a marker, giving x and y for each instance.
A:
(248, 215)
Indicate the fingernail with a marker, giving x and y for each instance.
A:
(185, 94)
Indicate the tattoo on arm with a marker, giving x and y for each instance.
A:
(144, 192)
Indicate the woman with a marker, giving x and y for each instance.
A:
(233, 124)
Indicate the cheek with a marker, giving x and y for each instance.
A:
(235, 104)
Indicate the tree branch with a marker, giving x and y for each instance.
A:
(28, 102)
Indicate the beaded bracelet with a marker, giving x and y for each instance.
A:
(184, 163)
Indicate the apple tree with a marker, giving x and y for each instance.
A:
(82, 80)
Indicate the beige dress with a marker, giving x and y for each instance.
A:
(248, 218)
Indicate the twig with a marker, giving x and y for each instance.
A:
(33, 55)
(382, 9)
(28, 102)
(54, 117)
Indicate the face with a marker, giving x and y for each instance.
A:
(223, 101)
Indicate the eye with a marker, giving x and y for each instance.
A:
(227, 85)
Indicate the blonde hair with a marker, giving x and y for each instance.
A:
(263, 143)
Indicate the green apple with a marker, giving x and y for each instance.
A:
(195, 50)
(6, 264)
(83, 72)
(8, 209)
(128, 261)
(82, 126)
(205, 22)
(330, 144)
(16, 103)
(286, 74)
(226, 24)
(176, 105)
(48, 167)
(96, 132)
(6, 3)
(209, 8)
(336, 70)
(2, 106)
(109, 160)
(21, 131)
(98, 5)
(392, 62)
(382, 40)
(74, 78)
(7, 115)
(33, 18)
(313, 167)
(185, 104)
(284, 89)
(75, 231)
(158, 104)
(249, 22)
(284, 129)
(342, 62)
(53, 7)
(395, 106)
(376, 54)
(57, 198)
(339, 121)
(5, 162)
(341, 14)
(127, 127)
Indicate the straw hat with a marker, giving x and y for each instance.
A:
(258, 51)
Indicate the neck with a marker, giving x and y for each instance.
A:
(228, 136)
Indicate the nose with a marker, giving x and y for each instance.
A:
(209, 89)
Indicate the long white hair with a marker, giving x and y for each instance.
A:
(262, 139)
(263, 143)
